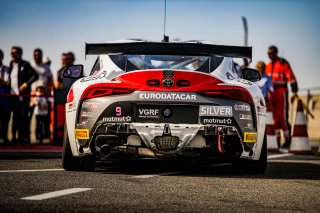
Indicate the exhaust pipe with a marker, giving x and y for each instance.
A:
(220, 141)
(105, 150)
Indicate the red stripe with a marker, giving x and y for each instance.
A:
(300, 131)
(273, 150)
(23, 95)
(301, 152)
(300, 106)
(32, 147)
(270, 130)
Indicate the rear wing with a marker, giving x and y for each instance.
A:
(159, 48)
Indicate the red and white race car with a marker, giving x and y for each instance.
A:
(165, 100)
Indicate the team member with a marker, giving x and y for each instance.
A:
(22, 76)
(281, 74)
(265, 84)
(4, 100)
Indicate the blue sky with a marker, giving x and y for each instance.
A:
(58, 26)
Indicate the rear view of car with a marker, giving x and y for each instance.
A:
(165, 101)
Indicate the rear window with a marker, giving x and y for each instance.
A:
(129, 63)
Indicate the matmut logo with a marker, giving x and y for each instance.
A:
(250, 137)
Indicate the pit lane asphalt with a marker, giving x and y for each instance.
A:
(291, 184)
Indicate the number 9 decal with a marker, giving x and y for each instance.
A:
(118, 111)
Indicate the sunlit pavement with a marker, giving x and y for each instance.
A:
(291, 184)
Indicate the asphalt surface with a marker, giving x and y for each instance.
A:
(291, 184)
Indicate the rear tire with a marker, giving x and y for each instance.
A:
(71, 163)
(244, 166)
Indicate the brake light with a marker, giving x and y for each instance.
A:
(99, 92)
(234, 94)
(239, 95)
(70, 96)
(212, 93)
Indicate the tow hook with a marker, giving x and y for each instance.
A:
(220, 140)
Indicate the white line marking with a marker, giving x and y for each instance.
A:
(56, 194)
(156, 175)
(30, 170)
(279, 155)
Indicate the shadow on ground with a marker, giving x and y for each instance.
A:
(277, 169)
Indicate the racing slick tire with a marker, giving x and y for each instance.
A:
(244, 166)
(71, 163)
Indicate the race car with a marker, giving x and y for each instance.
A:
(165, 100)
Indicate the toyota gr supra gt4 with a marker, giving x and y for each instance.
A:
(165, 100)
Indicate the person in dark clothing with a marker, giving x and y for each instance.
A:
(4, 100)
(62, 82)
(22, 76)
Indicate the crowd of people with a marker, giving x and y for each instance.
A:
(26, 89)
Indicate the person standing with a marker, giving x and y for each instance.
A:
(281, 74)
(46, 80)
(62, 82)
(265, 84)
(41, 109)
(22, 76)
(4, 100)
(43, 71)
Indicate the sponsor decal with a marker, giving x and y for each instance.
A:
(90, 105)
(243, 81)
(72, 107)
(229, 76)
(221, 111)
(242, 107)
(94, 77)
(262, 110)
(167, 96)
(168, 73)
(248, 126)
(167, 112)
(217, 121)
(82, 133)
(250, 137)
(118, 111)
(117, 119)
(245, 117)
(83, 123)
(86, 114)
(148, 113)
(168, 82)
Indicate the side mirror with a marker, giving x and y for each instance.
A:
(73, 71)
(251, 74)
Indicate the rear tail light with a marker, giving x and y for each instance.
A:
(239, 95)
(99, 92)
(234, 94)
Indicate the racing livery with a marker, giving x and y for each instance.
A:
(165, 101)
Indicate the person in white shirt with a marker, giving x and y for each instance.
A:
(43, 71)
(45, 79)
(41, 104)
